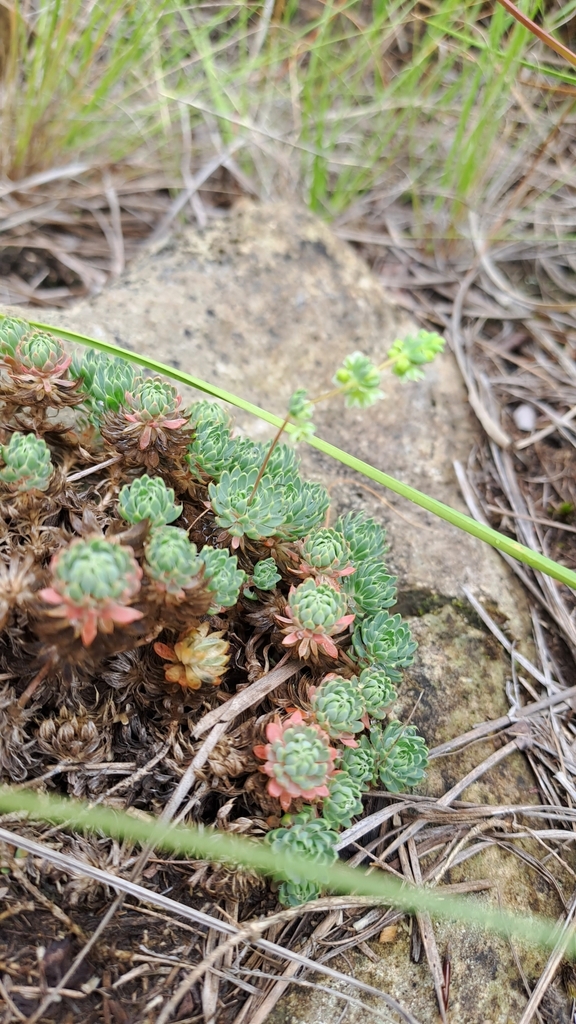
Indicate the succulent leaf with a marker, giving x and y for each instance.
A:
(211, 451)
(205, 414)
(385, 642)
(264, 574)
(172, 561)
(294, 894)
(27, 464)
(148, 498)
(305, 506)
(223, 577)
(326, 552)
(401, 755)
(359, 378)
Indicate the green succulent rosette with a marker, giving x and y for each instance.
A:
(343, 802)
(401, 756)
(205, 414)
(12, 330)
(325, 550)
(338, 707)
(370, 588)
(377, 691)
(305, 506)
(27, 464)
(316, 607)
(240, 510)
(365, 537)
(385, 642)
(360, 763)
(148, 498)
(223, 577)
(172, 560)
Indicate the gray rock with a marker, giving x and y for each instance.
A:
(266, 300)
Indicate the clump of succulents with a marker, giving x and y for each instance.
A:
(27, 464)
(150, 637)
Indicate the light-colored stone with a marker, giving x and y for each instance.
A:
(266, 300)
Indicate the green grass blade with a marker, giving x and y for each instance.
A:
(224, 848)
(438, 508)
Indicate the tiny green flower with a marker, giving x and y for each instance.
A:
(300, 412)
(359, 379)
(148, 498)
(409, 354)
(27, 464)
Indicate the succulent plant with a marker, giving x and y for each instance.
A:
(295, 894)
(325, 552)
(338, 708)
(282, 465)
(360, 764)
(12, 331)
(370, 588)
(204, 414)
(385, 642)
(243, 512)
(343, 801)
(376, 690)
(264, 574)
(314, 614)
(299, 760)
(247, 456)
(103, 379)
(300, 412)
(198, 657)
(409, 354)
(401, 755)
(172, 561)
(223, 577)
(92, 582)
(305, 506)
(148, 498)
(211, 451)
(39, 364)
(27, 464)
(314, 840)
(359, 379)
(154, 405)
(366, 539)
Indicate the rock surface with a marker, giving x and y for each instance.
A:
(264, 301)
